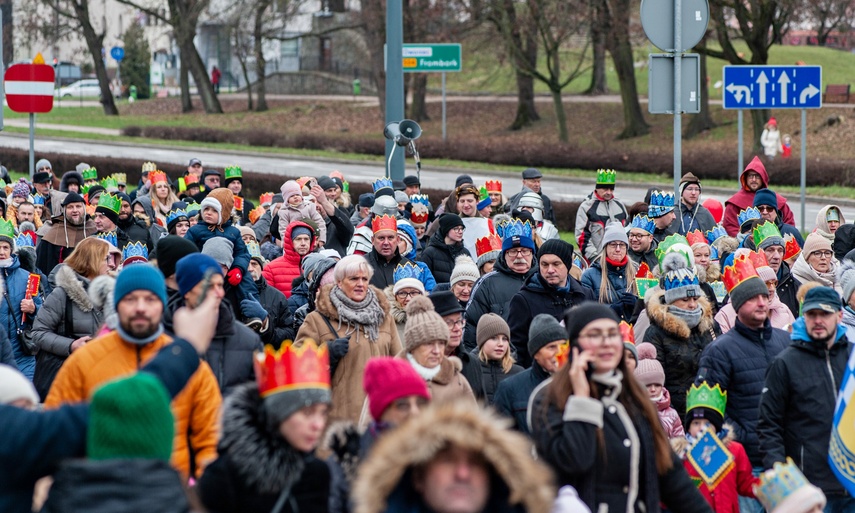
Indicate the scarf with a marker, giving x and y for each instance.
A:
(691, 317)
(615, 263)
(367, 313)
(424, 372)
(139, 341)
(6, 263)
(805, 273)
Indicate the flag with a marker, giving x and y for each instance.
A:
(841, 446)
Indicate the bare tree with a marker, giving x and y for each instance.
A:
(599, 85)
(827, 16)
(703, 120)
(615, 23)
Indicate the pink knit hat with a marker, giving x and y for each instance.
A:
(648, 371)
(387, 379)
(290, 188)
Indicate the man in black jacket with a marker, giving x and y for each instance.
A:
(551, 291)
(384, 257)
(798, 400)
(768, 239)
(135, 228)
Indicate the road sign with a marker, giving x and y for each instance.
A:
(117, 52)
(425, 58)
(660, 87)
(657, 20)
(772, 87)
(29, 87)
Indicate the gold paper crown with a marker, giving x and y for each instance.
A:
(148, 167)
(779, 484)
(121, 178)
(292, 368)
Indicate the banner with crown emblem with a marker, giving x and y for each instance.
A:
(710, 457)
(841, 446)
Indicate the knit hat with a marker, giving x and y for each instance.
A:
(139, 277)
(298, 230)
(580, 316)
(42, 163)
(191, 269)
(815, 242)
(648, 371)
(246, 230)
(15, 386)
(387, 379)
(130, 418)
(688, 179)
(559, 248)
(94, 191)
(614, 232)
(290, 188)
(846, 278)
(765, 197)
(408, 283)
(463, 179)
(226, 199)
(72, 197)
(749, 288)
(401, 197)
(543, 330)
(678, 279)
(220, 249)
(309, 263)
(21, 189)
(170, 250)
(491, 325)
(423, 325)
(445, 303)
(447, 222)
(325, 182)
(464, 269)
(366, 200)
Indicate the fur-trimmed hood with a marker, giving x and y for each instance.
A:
(657, 310)
(325, 307)
(457, 423)
(395, 309)
(710, 274)
(261, 456)
(101, 294)
(75, 287)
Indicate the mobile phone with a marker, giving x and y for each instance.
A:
(591, 367)
(206, 286)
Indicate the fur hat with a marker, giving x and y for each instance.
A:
(226, 199)
(464, 269)
(423, 325)
(388, 379)
(648, 371)
(491, 325)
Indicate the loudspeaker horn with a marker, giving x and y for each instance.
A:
(410, 131)
(392, 131)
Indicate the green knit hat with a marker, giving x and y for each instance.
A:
(130, 418)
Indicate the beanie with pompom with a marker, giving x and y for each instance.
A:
(423, 325)
(21, 189)
(464, 269)
(678, 279)
(648, 371)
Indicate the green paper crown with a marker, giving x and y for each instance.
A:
(90, 174)
(705, 396)
(606, 176)
(110, 183)
(233, 172)
(110, 202)
(6, 229)
(483, 194)
(764, 231)
(675, 243)
(84, 189)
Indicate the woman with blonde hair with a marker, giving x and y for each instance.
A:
(494, 355)
(612, 274)
(162, 197)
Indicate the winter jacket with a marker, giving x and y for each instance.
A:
(609, 476)
(289, 213)
(281, 272)
(512, 395)
(156, 231)
(299, 294)
(648, 257)
(690, 219)
(262, 226)
(14, 289)
(109, 357)
(671, 422)
(745, 198)
(7, 355)
(116, 486)
(201, 233)
(232, 349)
(347, 392)
(678, 348)
(49, 326)
(797, 405)
(58, 242)
(788, 287)
(137, 231)
(492, 294)
(591, 220)
(737, 361)
(280, 319)
(427, 278)
(384, 270)
(339, 231)
(779, 314)
(538, 297)
(485, 377)
(844, 240)
(256, 464)
(592, 277)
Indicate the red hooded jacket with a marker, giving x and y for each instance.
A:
(745, 198)
(281, 272)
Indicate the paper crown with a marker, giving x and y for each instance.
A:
(254, 249)
(642, 222)
(487, 244)
(148, 167)
(705, 396)
(121, 178)
(265, 199)
(747, 215)
(741, 270)
(384, 222)
(232, 172)
(517, 228)
(255, 214)
(292, 368)
(643, 271)
(25, 240)
(493, 186)
(484, 200)
(764, 231)
(109, 237)
(193, 209)
(190, 180)
(419, 217)
(627, 333)
(110, 202)
(715, 233)
(134, 252)
(381, 183)
(661, 203)
(7, 229)
(176, 215)
(606, 176)
(421, 201)
(90, 174)
(38, 199)
(157, 176)
(791, 247)
(696, 237)
(110, 183)
(758, 259)
(780, 483)
(84, 191)
(407, 270)
(675, 243)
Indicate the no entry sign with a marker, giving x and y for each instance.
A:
(29, 87)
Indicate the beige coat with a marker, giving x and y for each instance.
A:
(449, 384)
(347, 392)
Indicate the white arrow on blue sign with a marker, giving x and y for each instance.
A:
(772, 87)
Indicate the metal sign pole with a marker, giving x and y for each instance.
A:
(32, 144)
(740, 137)
(804, 164)
(444, 134)
(678, 119)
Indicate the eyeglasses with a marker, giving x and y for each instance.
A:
(520, 251)
(822, 254)
(458, 229)
(635, 236)
(692, 189)
(602, 338)
(766, 208)
(458, 323)
(615, 245)
(403, 295)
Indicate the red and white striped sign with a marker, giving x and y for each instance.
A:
(29, 87)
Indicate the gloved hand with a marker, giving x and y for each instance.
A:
(234, 277)
(628, 299)
(251, 308)
(338, 349)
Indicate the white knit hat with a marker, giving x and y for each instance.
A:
(464, 269)
(15, 386)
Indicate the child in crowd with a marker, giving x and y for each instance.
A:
(649, 373)
(295, 209)
(491, 361)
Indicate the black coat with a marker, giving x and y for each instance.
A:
(738, 361)
(137, 231)
(485, 377)
(339, 231)
(787, 288)
(511, 398)
(797, 407)
(384, 270)
(536, 297)
(440, 256)
(281, 322)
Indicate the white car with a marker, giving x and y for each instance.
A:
(87, 87)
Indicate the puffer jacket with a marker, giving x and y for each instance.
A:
(591, 220)
(512, 395)
(427, 278)
(671, 422)
(798, 402)
(14, 289)
(281, 272)
(788, 287)
(440, 256)
(50, 321)
(485, 377)
(593, 275)
(737, 361)
(492, 294)
(299, 294)
(678, 348)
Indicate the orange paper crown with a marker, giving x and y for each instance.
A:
(158, 176)
(419, 217)
(255, 214)
(292, 368)
(267, 197)
(384, 222)
(791, 247)
(190, 179)
(627, 333)
(487, 244)
(741, 270)
(696, 237)
(494, 186)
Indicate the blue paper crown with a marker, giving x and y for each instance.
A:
(134, 252)
(175, 214)
(747, 215)
(408, 270)
(660, 203)
(24, 240)
(680, 278)
(716, 233)
(643, 222)
(515, 227)
(420, 199)
(38, 199)
(381, 183)
(713, 253)
(109, 237)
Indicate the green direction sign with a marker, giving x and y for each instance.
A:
(425, 58)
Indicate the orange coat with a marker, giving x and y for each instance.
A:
(196, 408)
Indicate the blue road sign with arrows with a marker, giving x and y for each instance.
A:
(772, 87)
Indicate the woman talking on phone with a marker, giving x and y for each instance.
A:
(597, 428)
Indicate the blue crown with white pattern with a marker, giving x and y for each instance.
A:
(642, 222)
(715, 234)
(381, 183)
(420, 199)
(408, 270)
(38, 199)
(109, 237)
(134, 252)
(516, 227)
(661, 203)
(747, 215)
(175, 215)
(24, 240)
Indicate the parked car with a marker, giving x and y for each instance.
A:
(67, 73)
(87, 87)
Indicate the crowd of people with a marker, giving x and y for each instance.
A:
(399, 352)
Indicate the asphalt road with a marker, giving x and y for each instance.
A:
(557, 188)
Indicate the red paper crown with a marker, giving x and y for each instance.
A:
(741, 270)
(758, 259)
(627, 333)
(696, 237)
(791, 247)
(384, 222)
(489, 243)
(158, 176)
(644, 271)
(419, 217)
(291, 368)
(190, 179)
(494, 186)
(267, 197)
